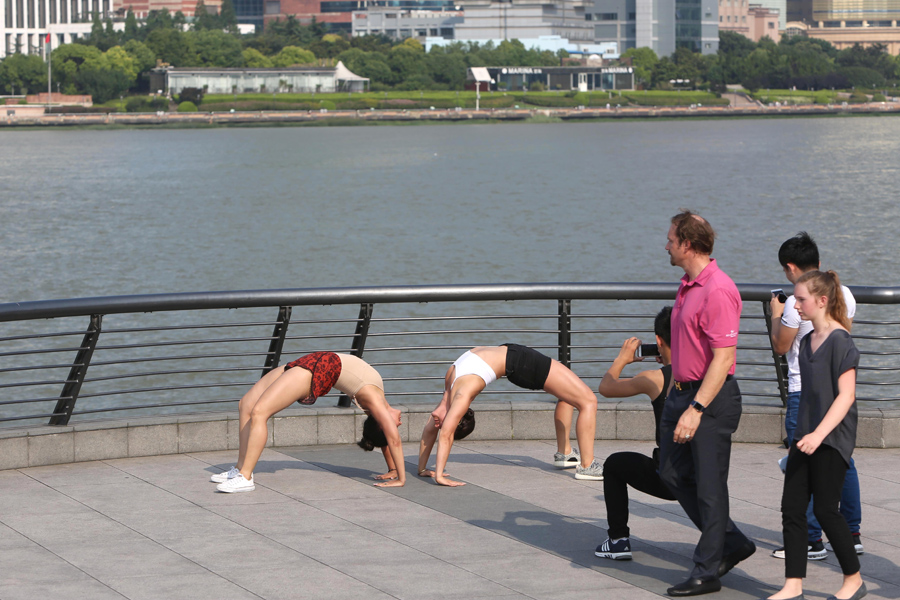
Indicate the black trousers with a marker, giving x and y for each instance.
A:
(621, 470)
(697, 473)
(820, 474)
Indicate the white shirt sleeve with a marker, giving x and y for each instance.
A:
(850, 301)
(791, 318)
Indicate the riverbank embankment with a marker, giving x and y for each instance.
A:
(343, 117)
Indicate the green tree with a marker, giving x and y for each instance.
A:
(329, 46)
(227, 17)
(202, 18)
(173, 47)
(144, 60)
(642, 60)
(67, 60)
(157, 19)
(19, 72)
(131, 25)
(409, 68)
(255, 59)
(367, 64)
(216, 48)
(293, 55)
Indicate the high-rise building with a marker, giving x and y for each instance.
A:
(524, 19)
(662, 25)
(24, 24)
(750, 20)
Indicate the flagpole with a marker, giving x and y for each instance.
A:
(49, 85)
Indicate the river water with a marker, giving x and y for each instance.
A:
(94, 213)
(116, 212)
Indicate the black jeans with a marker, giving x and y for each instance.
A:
(621, 470)
(697, 473)
(822, 476)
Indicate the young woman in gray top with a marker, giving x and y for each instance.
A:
(825, 435)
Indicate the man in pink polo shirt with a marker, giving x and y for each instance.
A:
(704, 406)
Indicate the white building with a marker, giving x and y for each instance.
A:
(525, 19)
(24, 24)
(404, 23)
(172, 80)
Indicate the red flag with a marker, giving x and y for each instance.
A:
(48, 39)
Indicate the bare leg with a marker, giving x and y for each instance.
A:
(284, 391)
(851, 584)
(246, 406)
(562, 419)
(569, 388)
(793, 587)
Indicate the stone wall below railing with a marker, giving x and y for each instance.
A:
(309, 426)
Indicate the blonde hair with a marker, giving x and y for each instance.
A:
(829, 285)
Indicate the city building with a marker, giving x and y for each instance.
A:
(24, 24)
(662, 25)
(750, 20)
(847, 36)
(845, 23)
(171, 80)
(525, 19)
(582, 78)
(400, 24)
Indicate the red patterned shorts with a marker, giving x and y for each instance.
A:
(325, 368)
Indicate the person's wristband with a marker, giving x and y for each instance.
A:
(697, 406)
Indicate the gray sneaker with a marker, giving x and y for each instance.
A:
(567, 461)
(591, 473)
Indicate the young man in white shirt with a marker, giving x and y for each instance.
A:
(797, 256)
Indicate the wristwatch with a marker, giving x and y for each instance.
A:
(697, 406)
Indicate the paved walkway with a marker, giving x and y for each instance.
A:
(316, 528)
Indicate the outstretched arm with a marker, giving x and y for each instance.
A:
(647, 382)
(429, 437)
(392, 470)
(395, 446)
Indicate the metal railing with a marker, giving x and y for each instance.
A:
(93, 358)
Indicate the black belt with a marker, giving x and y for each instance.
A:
(684, 386)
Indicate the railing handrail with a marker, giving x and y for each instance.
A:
(73, 307)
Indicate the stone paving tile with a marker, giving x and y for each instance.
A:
(196, 586)
(317, 528)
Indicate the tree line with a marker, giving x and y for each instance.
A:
(111, 63)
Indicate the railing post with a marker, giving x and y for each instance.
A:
(565, 332)
(781, 366)
(276, 344)
(359, 341)
(69, 394)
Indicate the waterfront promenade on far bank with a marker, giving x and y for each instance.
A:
(154, 527)
(445, 115)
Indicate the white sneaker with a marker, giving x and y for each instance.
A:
(237, 484)
(857, 545)
(225, 475)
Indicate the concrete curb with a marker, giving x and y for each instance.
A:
(308, 426)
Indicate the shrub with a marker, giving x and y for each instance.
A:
(191, 94)
(137, 104)
(187, 106)
(858, 98)
(878, 97)
(537, 86)
(159, 103)
(327, 104)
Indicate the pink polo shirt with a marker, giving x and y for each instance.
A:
(706, 315)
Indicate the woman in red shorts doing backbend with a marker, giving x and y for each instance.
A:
(304, 380)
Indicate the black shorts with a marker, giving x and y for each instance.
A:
(526, 367)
